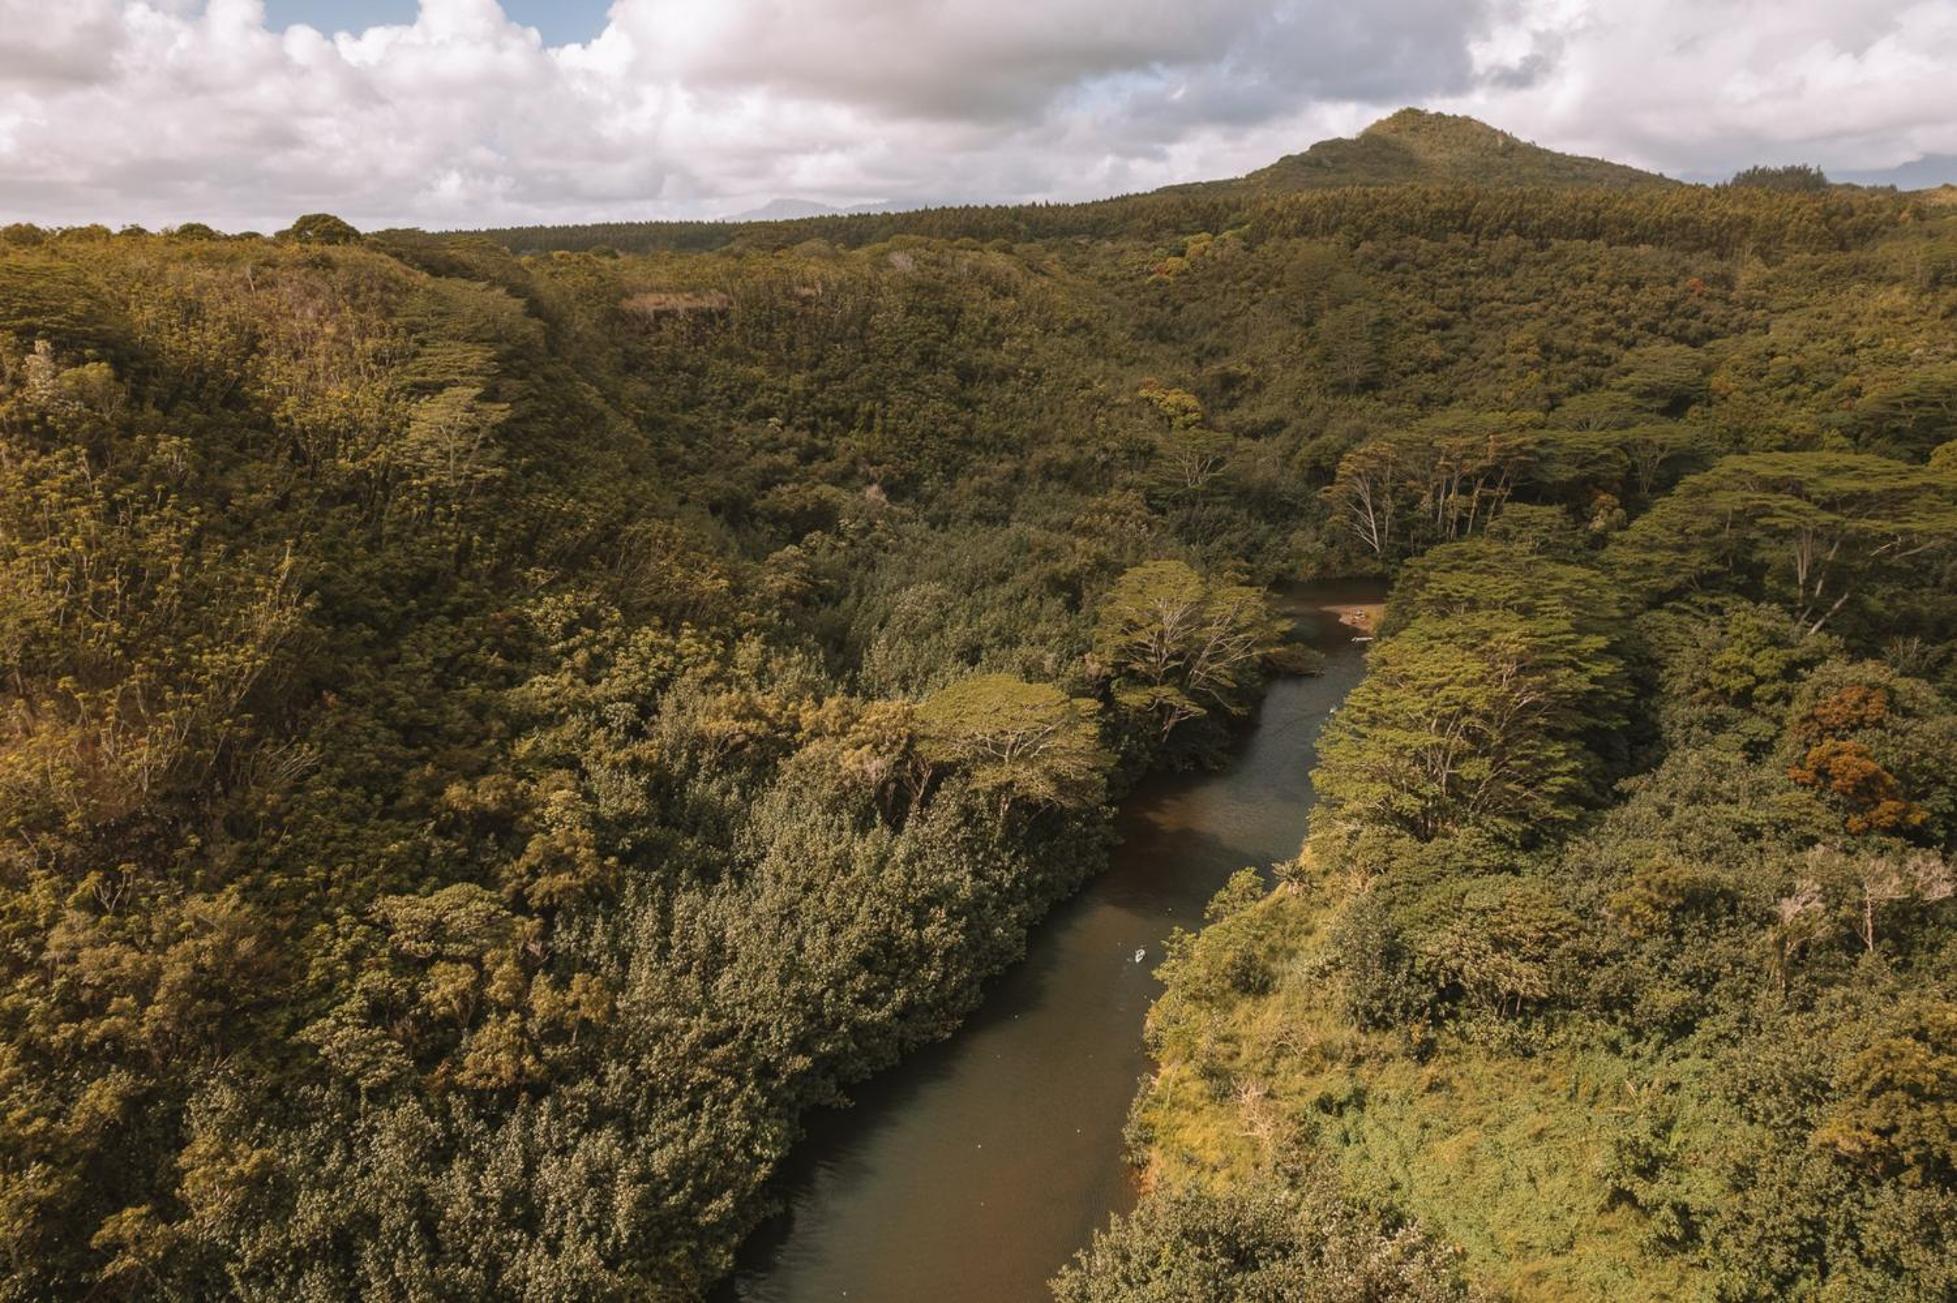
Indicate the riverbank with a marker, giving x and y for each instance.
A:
(1361, 617)
(975, 1169)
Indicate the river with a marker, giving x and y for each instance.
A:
(972, 1171)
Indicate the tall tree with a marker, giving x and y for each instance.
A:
(1015, 741)
(1180, 646)
(1815, 528)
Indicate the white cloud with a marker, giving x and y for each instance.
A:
(161, 111)
(984, 60)
(52, 45)
(1707, 86)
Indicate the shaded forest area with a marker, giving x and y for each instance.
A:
(491, 738)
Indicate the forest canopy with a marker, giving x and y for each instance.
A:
(496, 728)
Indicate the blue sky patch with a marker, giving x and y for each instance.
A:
(561, 21)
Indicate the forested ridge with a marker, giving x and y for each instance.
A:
(491, 738)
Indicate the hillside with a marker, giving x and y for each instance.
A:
(1415, 147)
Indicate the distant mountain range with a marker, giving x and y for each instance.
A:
(790, 209)
(1925, 173)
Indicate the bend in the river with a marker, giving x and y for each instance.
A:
(973, 1170)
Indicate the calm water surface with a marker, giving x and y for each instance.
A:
(972, 1171)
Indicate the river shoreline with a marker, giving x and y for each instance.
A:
(974, 1169)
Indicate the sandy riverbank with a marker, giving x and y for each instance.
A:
(1361, 617)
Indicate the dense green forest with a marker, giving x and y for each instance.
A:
(496, 729)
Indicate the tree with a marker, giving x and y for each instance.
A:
(1015, 741)
(1259, 1245)
(320, 228)
(1179, 646)
(1182, 409)
(447, 450)
(1439, 481)
(1879, 746)
(1470, 474)
(1368, 495)
(1496, 664)
(1790, 178)
(1817, 528)
(1871, 881)
(1188, 460)
(1512, 576)
(1911, 415)
(1643, 450)
(1465, 723)
(1895, 1106)
(1664, 379)
(1733, 668)
(1348, 340)
(1498, 941)
(1845, 770)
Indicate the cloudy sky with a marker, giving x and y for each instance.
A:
(442, 113)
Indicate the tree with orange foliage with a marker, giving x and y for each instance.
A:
(1877, 745)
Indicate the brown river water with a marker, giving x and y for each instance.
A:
(972, 1171)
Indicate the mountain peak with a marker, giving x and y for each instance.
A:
(785, 209)
(1426, 125)
(1419, 147)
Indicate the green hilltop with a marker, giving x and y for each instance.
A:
(1416, 147)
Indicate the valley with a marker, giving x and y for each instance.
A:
(635, 759)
